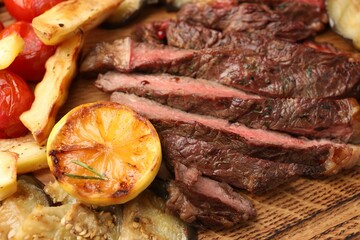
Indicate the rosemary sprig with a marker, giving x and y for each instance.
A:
(87, 167)
(83, 177)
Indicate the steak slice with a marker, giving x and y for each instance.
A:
(255, 143)
(314, 118)
(201, 201)
(277, 3)
(275, 74)
(229, 165)
(183, 35)
(291, 21)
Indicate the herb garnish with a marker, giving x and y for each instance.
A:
(87, 167)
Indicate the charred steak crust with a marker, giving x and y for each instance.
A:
(278, 75)
(314, 118)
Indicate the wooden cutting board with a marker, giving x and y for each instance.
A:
(306, 209)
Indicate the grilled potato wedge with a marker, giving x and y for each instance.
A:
(7, 174)
(71, 17)
(345, 18)
(124, 12)
(10, 47)
(52, 91)
(31, 156)
(174, 5)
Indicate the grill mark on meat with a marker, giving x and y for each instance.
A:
(291, 21)
(274, 75)
(314, 118)
(223, 206)
(255, 143)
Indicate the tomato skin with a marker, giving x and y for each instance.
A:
(26, 10)
(30, 63)
(15, 98)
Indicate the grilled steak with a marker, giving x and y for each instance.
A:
(279, 73)
(183, 35)
(255, 143)
(204, 202)
(291, 21)
(314, 118)
(229, 165)
(277, 3)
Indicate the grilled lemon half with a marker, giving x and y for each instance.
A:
(104, 153)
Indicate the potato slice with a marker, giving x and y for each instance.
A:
(52, 91)
(8, 175)
(125, 11)
(345, 18)
(70, 17)
(32, 156)
(10, 47)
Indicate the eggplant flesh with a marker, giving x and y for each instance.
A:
(31, 213)
(15, 209)
(145, 217)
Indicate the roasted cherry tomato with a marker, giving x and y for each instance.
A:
(30, 63)
(1, 26)
(15, 98)
(26, 10)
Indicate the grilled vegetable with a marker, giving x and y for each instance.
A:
(127, 10)
(10, 48)
(15, 209)
(345, 18)
(84, 221)
(57, 194)
(45, 223)
(71, 17)
(31, 156)
(15, 98)
(7, 174)
(173, 5)
(30, 63)
(145, 218)
(52, 91)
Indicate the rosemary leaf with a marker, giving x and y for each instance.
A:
(84, 165)
(83, 177)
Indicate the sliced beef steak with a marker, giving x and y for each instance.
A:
(255, 143)
(277, 3)
(276, 74)
(183, 35)
(204, 202)
(229, 165)
(314, 118)
(291, 21)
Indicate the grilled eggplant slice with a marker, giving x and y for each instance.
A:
(345, 18)
(45, 223)
(15, 209)
(145, 218)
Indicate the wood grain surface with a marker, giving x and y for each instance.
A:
(305, 209)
